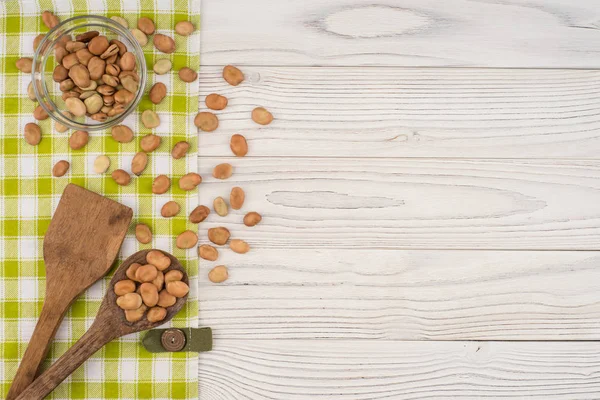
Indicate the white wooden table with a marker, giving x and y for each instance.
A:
(431, 197)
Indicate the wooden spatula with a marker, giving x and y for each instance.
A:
(81, 244)
(110, 323)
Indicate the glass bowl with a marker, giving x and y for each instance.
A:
(48, 92)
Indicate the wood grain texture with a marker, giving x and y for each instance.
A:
(302, 369)
(492, 33)
(409, 112)
(412, 204)
(408, 295)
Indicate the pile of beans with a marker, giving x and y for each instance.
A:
(150, 289)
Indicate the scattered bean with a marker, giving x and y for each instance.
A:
(199, 214)
(121, 177)
(208, 252)
(39, 113)
(24, 64)
(252, 218)
(232, 75)
(223, 171)
(180, 150)
(33, 134)
(161, 184)
(30, 91)
(150, 143)
(206, 121)
(219, 235)
(187, 74)
(216, 101)
(101, 164)
(37, 41)
(220, 206)
(123, 287)
(139, 36)
(178, 288)
(186, 240)
(60, 168)
(261, 116)
(78, 140)
(162, 66)
(239, 246)
(170, 209)
(164, 43)
(146, 25)
(150, 119)
(49, 19)
(158, 92)
(237, 197)
(139, 163)
(120, 20)
(122, 133)
(218, 274)
(158, 259)
(143, 233)
(129, 301)
(189, 181)
(238, 145)
(184, 28)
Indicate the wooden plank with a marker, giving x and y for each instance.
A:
(407, 204)
(310, 369)
(409, 112)
(493, 33)
(408, 295)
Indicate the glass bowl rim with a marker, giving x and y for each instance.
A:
(95, 20)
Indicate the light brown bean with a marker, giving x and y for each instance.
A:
(170, 209)
(223, 171)
(237, 197)
(161, 184)
(164, 43)
(232, 75)
(70, 60)
(165, 299)
(39, 113)
(60, 73)
(24, 64)
(96, 67)
(184, 28)
(123, 96)
(60, 168)
(127, 61)
(215, 101)
(146, 25)
(143, 233)
(208, 252)
(252, 218)
(157, 93)
(189, 181)
(149, 294)
(122, 133)
(76, 106)
(150, 119)
(162, 66)
(219, 235)
(186, 240)
(180, 150)
(80, 75)
(33, 134)
(158, 259)
(137, 314)
(132, 270)
(178, 288)
(129, 301)
(123, 287)
(121, 177)
(199, 214)
(159, 280)
(139, 163)
(218, 274)
(101, 164)
(206, 121)
(146, 273)
(156, 314)
(187, 74)
(150, 143)
(261, 116)
(220, 206)
(173, 275)
(239, 246)
(49, 19)
(98, 45)
(78, 140)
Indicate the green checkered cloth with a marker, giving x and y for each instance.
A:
(29, 195)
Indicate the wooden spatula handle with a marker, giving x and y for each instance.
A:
(90, 342)
(50, 318)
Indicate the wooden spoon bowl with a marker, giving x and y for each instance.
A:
(110, 323)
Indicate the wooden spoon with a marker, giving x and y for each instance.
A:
(110, 323)
(81, 244)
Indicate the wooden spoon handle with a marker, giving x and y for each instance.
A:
(50, 318)
(90, 342)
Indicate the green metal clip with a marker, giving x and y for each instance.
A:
(178, 340)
